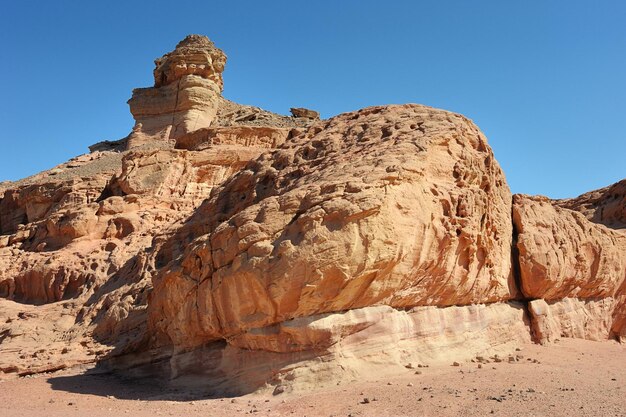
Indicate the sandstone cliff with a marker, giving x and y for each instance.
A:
(572, 271)
(229, 246)
(400, 205)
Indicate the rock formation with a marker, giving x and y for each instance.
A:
(226, 245)
(187, 85)
(305, 113)
(401, 205)
(606, 206)
(572, 270)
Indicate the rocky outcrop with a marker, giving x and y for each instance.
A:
(83, 235)
(572, 269)
(304, 113)
(228, 245)
(92, 241)
(185, 97)
(401, 206)
(561, 254)
(360, 344)
(606, 206)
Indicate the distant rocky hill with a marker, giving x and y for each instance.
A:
(224, 245)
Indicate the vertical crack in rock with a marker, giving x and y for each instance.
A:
(519, 294)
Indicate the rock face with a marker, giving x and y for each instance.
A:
(563, 255)
(77, 242)
(185, 97)
(400, 205)
(367, 344)
(606, 206)
(244, 250)
(572, 269)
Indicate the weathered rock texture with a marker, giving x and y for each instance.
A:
(573, 269)
(399, 205)
(77, 242)
(227, 245)
(561, 254)
(606, 206)
(185, 97)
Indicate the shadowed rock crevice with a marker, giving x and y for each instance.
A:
(518, 291)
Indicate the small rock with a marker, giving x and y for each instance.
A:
(279, 389)
(305, 113)
(456, 364)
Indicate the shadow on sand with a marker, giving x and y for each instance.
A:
(126, 388)
(216, 370)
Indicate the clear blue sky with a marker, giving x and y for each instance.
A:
(545, 80)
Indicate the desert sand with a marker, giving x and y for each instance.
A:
(567, 378)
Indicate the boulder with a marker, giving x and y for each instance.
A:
(400, 205)
(304, 113)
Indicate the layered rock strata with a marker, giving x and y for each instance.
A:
(364, 344)
(185, 97)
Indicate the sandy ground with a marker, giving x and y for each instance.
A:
(571, 378)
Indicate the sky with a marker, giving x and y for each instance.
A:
(544, 80)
